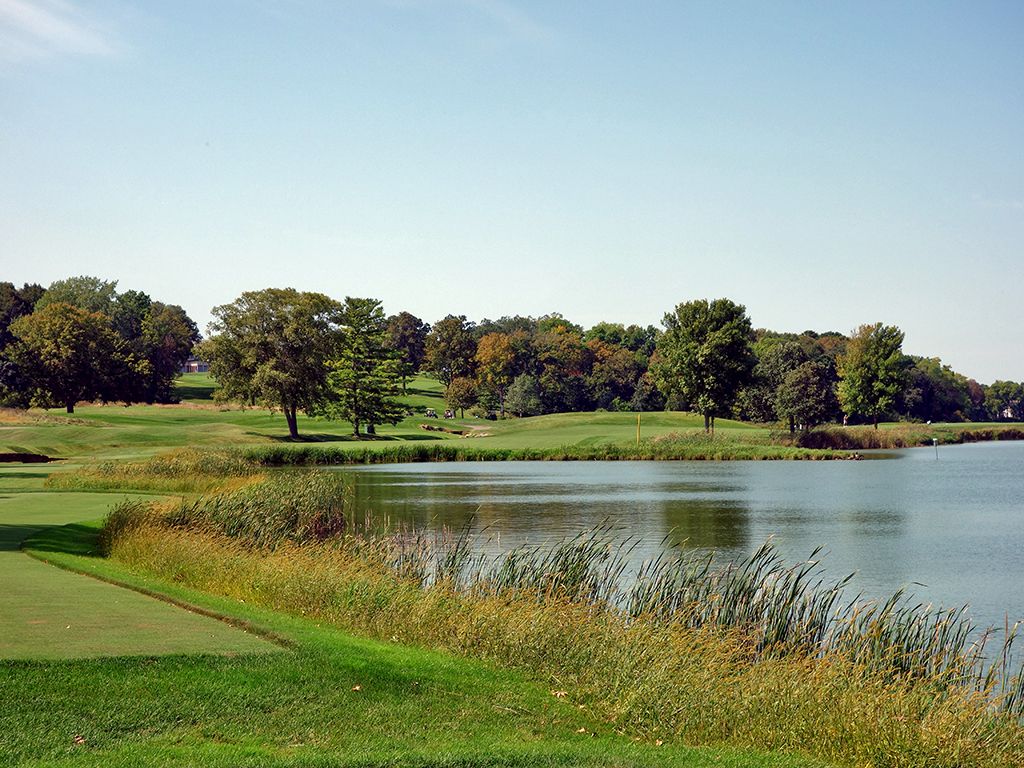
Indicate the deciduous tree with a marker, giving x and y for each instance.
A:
(461, 394)
(89, 293)
(272, 348)
(871, 373)
(167, 339)
(776, 358)
(67, 354)
(807, 395)
(1005, 400)
(704, 356)
(613, 374)
(451, 346)
(407, 335)
(495, 365)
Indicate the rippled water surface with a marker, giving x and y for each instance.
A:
(952, 528)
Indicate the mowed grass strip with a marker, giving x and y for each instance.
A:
(50, 613)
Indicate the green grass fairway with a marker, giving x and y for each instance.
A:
(49, 613)
(195, 387)
(113, 431)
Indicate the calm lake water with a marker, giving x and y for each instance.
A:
(952, 529)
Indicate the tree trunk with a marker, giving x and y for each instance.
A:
(371, 429)
(290, 417)
(875, 420)
(70, 406)
(792, 425)
(355, 427)
(707, 422)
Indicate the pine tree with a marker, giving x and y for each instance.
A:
(364, 378)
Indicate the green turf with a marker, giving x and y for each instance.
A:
(195, 387)
(303, 707)
(49, 613)
(114, 431)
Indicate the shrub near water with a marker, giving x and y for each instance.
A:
(755, 654)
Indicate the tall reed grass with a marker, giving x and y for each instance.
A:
(451, 450)
(751, 653)
(187, 470)
(297, 507)
(902, 436)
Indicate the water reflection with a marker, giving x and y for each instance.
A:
(952, 529)
(526, 501)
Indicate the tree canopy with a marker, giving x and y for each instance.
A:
(807, 395)
(495, 363)
(273, 348)
(407, 335)
(67, 354)
(158, 334)
(871, 372)
(704, 356)
(451, 347)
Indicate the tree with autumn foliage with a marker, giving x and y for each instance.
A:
(496, 365)
(613, 374)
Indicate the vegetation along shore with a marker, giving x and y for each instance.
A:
(309, 640)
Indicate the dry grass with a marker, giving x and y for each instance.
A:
(187, 470)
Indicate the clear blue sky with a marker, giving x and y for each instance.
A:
(824, 164)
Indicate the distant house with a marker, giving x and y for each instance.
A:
(195, 365)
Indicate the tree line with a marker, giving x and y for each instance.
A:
(81, 340)
(297, 351)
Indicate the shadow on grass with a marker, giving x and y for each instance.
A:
(424, 393)
(74, 539)
(24, 475)
(187, 392)
(11, 536)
